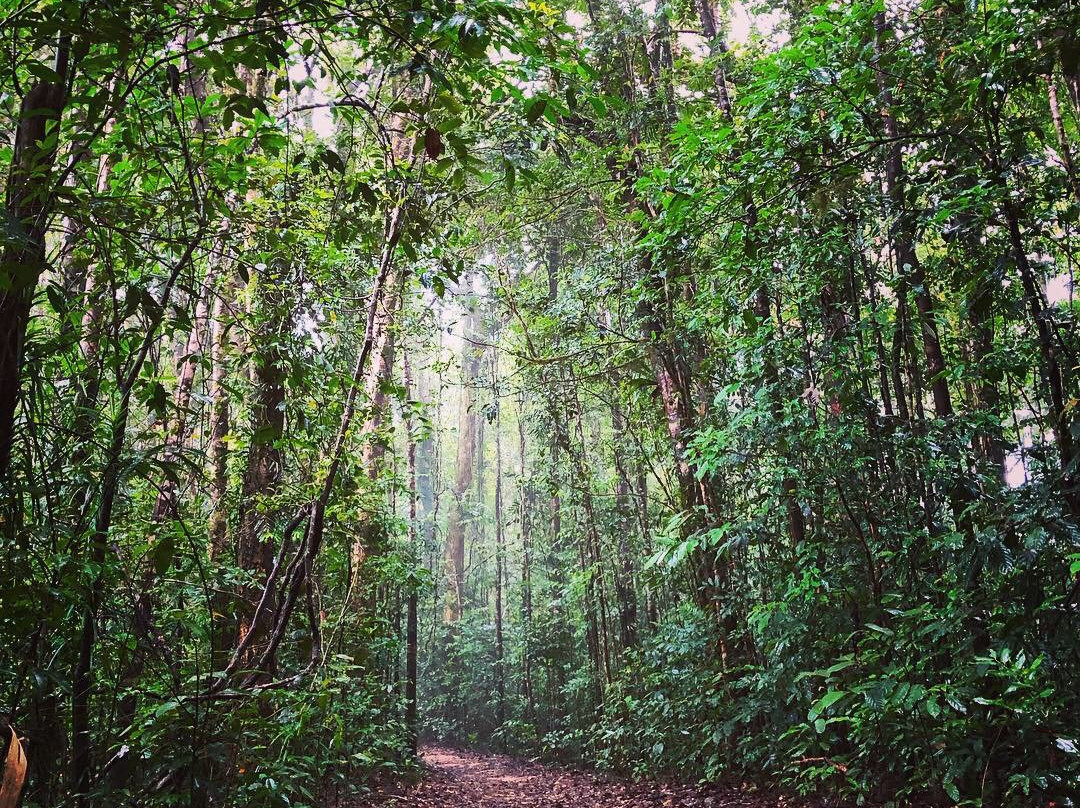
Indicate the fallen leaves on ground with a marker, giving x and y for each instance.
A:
(460, 779)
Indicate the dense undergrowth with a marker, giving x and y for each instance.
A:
(683, 389)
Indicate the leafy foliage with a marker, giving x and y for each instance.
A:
(640, 394)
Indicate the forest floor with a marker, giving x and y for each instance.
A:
(454, 778)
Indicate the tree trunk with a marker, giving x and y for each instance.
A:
(1065, 150)
(471, 356)
(988, 443)
(28, 204)
(177, 434)
(262, 477)
(500, 562)
(370, 532)
(298, 573)
(901, 231)
(1054, 370)
(97, 545)
(220, 417)
(625, 592)
(524, 501)
(411, 606)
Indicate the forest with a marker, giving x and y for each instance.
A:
(672, 402)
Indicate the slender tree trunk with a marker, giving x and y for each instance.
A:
(255, 546)
(625, 592)
(370, 532)
(82, 674)
(588, 549)
(1053, 371)
(668, 363)
(177, 434)
(411, 607)
(500, 563)
(1064, 148)
(901, 229)
(879, 343)
(988, 443)
(592, 534)
(220, 417)
(524, 501)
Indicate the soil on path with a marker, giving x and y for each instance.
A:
(460, 779)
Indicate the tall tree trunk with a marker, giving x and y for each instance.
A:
(28, 205)
(625, 592)
(988, 443)
(879, 343)
(262, 477)
(595, 605)
(910, 271)
(901, 229)
(471, 356)
(1054, 372)
(220, 416)
(592, 534)
(370, 531)
(1064, 148)
(166, 504)
(268, 292)
(500, 562)
(411, 620)
(524, 502)
(669, 364)
(369, 534)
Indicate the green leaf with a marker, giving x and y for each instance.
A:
(472, 44)
(951, 790)
(825, 702)
(162, 554)
(43, 72)
(933, 709)
(361, 190)
(880, 629)
(333, 161)
(535, 109)
(571, 98)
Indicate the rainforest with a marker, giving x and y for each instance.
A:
(539, 403)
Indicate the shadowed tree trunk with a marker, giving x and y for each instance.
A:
(901, 230)
(262, 477)
(28, 205)
(625, 592)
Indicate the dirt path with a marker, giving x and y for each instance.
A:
(459, 779)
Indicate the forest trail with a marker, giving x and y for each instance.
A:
(458, 779)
